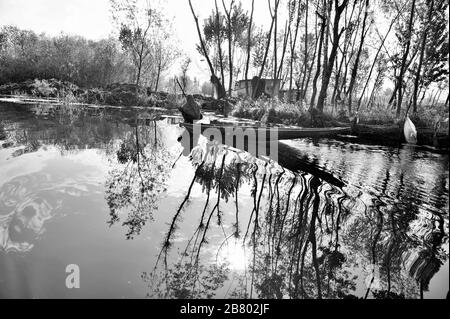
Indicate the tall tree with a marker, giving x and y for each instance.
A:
(323, 23)
(214, 80)
(358, 55)
(293, 38)
(137, 25)
(218, 29)
(261, 72)
(375, 60)
(338, 9)
(249, 42)
(403, 67)
(228, 13)
(425, 28)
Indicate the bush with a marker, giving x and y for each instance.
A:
(272, 112)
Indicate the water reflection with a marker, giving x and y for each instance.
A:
(138, 178)
(330, 219)
(306, 236)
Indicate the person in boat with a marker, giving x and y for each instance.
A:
(191, 110)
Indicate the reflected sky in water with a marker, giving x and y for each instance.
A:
(111, 191)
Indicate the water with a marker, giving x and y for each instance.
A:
(113, 192)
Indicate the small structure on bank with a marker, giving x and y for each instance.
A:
(268, 87)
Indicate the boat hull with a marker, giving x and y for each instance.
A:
(272, 133)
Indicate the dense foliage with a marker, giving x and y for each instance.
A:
(27, 55)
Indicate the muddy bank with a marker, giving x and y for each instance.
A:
(116, 94)
(263, 112)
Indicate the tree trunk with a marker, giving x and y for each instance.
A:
(375, 60)
(319, 51)
(348, 58)
(249, 42)
(230, 41)
(256, 89)
(287, 33)
(404, 59)
(292, 47)
(158, 74)
(358, 55)
(275, 50)
(305, 61)
(304, 87)
(336, 35)
(214, 80)
(336, 81)
(422, 51)
(219, 45)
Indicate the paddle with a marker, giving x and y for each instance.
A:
(184, 94)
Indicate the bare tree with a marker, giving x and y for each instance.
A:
(319, 53)
(422, 53)
(261, 72)
(358, 55)
(138, 31)
(338, 9)
(403, 66)
(214, 80)
(228, 13)
(249, 42)
(219, 42)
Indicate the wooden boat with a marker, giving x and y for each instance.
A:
(383, 134)
(286, 156)
(271, 133)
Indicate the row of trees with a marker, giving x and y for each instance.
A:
(146, 35)
(332, 51)
(27, 55)
(141, 52)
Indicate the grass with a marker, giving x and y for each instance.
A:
(279, 112)
(267, 111)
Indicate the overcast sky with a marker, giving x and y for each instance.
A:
(92, 19)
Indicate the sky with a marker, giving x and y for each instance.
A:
(92, 19)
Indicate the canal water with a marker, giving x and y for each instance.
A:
(116, 193)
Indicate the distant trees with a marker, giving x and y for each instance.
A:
(184, 77)
(432, 64)
(144, 33)
(142, 52)
(27, 55)
(340, 54)
(225, 41)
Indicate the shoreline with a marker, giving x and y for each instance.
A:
(381, 134)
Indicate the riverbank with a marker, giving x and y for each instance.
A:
(116, 94)
(374, 126)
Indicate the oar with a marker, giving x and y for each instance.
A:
(184, 94)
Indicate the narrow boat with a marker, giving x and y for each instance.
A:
(271, 133)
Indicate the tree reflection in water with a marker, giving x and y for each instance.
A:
(292, 229)
(306, 237)
(133, 185)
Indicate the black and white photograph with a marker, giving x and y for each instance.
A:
(238, 151)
